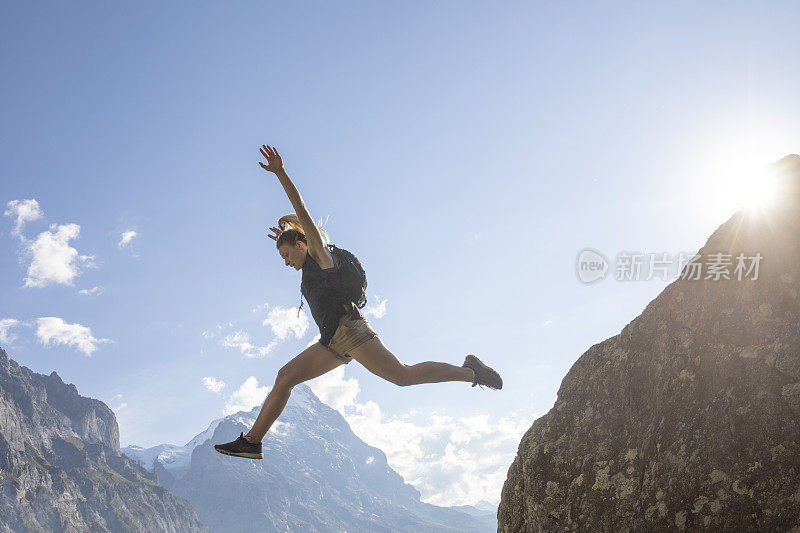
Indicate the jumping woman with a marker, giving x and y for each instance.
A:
(345, 333)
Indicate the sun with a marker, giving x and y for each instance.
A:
(741, 178)
(756, 189)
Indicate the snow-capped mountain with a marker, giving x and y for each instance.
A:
(316, 475)
(482, 509)
(175, 459)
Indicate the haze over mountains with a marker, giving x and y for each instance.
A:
(316, 475)
(62, 469)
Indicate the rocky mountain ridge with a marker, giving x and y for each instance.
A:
(61, 468)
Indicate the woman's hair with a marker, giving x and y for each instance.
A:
(293, 231)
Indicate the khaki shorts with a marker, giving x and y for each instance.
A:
(350, 334)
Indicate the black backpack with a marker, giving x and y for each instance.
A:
(353, 277)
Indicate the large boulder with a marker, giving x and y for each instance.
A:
(689, 419)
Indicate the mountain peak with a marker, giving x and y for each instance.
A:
(319, 476)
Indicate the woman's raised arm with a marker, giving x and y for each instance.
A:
(275, 165)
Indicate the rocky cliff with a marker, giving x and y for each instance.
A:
(689, 419)
(61, 468)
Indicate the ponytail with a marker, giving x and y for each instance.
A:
(292, 230)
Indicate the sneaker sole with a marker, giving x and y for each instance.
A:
(242, 454)
(487, 369)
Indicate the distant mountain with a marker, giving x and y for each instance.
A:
(482, 509)
(172, 458)
(689, 418)
(61, 468)
(316, 475)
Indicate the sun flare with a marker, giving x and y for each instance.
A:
(756, 189)
(741, 178)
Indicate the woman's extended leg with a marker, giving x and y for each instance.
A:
(312, 362)
(381, 362)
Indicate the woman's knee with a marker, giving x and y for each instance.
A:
(404, 377)
(285, 379)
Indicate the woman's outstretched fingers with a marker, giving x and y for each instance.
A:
(277, 234)
(274, 162)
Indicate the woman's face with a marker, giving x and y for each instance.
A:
(294, 255)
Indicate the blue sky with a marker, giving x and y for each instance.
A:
(466, 152)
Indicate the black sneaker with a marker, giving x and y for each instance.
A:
(241, 447)
(483, 374)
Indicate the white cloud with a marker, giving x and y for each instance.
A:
(283, 321)
(246, 397)
(53, 259)
(91, 292)
(23, 211)
(122, 405)
(240, 340)
(54, 330)
(125, 238)
(214, 331)
(450, 461)
(314, 340)
(377, 310)
(213, 384)
(6, 337)
(334, 390)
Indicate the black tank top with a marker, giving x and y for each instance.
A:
(321, 290)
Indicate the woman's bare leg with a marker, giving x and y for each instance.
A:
(312, 362)
(380, 361)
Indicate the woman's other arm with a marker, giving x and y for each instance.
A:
(315, 243)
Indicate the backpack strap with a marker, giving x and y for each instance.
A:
(331, 248)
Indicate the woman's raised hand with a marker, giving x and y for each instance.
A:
(274, 161)
(277, 233)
